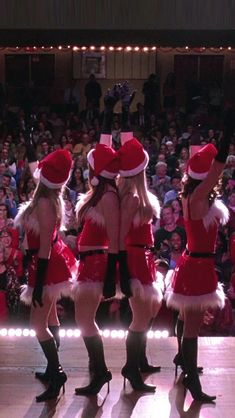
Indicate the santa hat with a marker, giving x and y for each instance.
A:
(133, 157)
(53, 171)
(199, 164)
(104, 161)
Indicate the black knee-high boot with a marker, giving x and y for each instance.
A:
(101, 374)
(45, 376)
(145, 367)
(58, 377)
(178, 359)
(131, 371)
(191, 381)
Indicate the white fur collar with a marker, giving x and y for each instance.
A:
(32, 222)
(218, 212)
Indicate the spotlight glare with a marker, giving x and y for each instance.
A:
(102, 48)
(111, 48)
(26, 332)
(136, 48)
(121, 334)
(83, 48)
(32, 333)
(18, 332)
(59, 47)
(145, 49)
(92, 47)
(165, 333)
(4, 332)
(114, 334)
(75, 48)
(157, 334)
(106, 333)
(120, 48)
(11, 332)
(77, 333)
(150, 334)
(62, 333)
(69, 333)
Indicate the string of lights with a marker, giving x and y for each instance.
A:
(125, 48)
(69, 333)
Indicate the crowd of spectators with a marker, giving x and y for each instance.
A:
(165, 131)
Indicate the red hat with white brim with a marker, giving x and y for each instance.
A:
(133, 157)
(54, 170)
(199, 164)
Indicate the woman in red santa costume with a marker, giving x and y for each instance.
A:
(194, 286)
(136, 245)
(51, 261)
(98, 213)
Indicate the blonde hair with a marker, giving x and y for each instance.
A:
(51, 194)
(138, 186)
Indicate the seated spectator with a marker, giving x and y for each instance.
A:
(9, 289)
(163, 234)
(77, 182)
(161, 182)
(13, 256)
(178, 213)
(7, 221)
(173, 193)
(177, 245)
(83, 147)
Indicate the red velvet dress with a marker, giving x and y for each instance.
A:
(61, 267)
(194, 281)
(145, 282)
(92, 268)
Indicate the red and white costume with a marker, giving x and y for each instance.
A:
(139, 245)
(92, 268)
(194, 281)
(93, 262)
(62, 263)
(53, 172)
(139, 241)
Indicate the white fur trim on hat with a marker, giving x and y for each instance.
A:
(197, 176)
(51, 185)
(136, 170)
(103, 173)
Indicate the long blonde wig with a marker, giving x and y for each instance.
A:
(54, 195)
(137, 185)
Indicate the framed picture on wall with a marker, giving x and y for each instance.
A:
(94, 63)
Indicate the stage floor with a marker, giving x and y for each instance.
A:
(21, 356)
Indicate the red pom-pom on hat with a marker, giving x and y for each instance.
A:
(104, 161)
(55, 169)
(133, 158)
(199, 164)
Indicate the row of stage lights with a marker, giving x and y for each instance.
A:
(69, 333)
(119, 48)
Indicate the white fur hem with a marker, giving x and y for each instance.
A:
(148, 293)
(94, 288)
(210, 300)
(54, 291)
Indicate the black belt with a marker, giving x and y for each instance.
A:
(199, 255)
(145, 247)
(84, 254)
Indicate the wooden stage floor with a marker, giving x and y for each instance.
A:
(20, 356)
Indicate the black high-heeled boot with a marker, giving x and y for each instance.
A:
(101, 374)
(145, 367)
(57, 381)
(58, 377)
(191, 381)
(131, 370)
(178, 359)
(46, 376)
